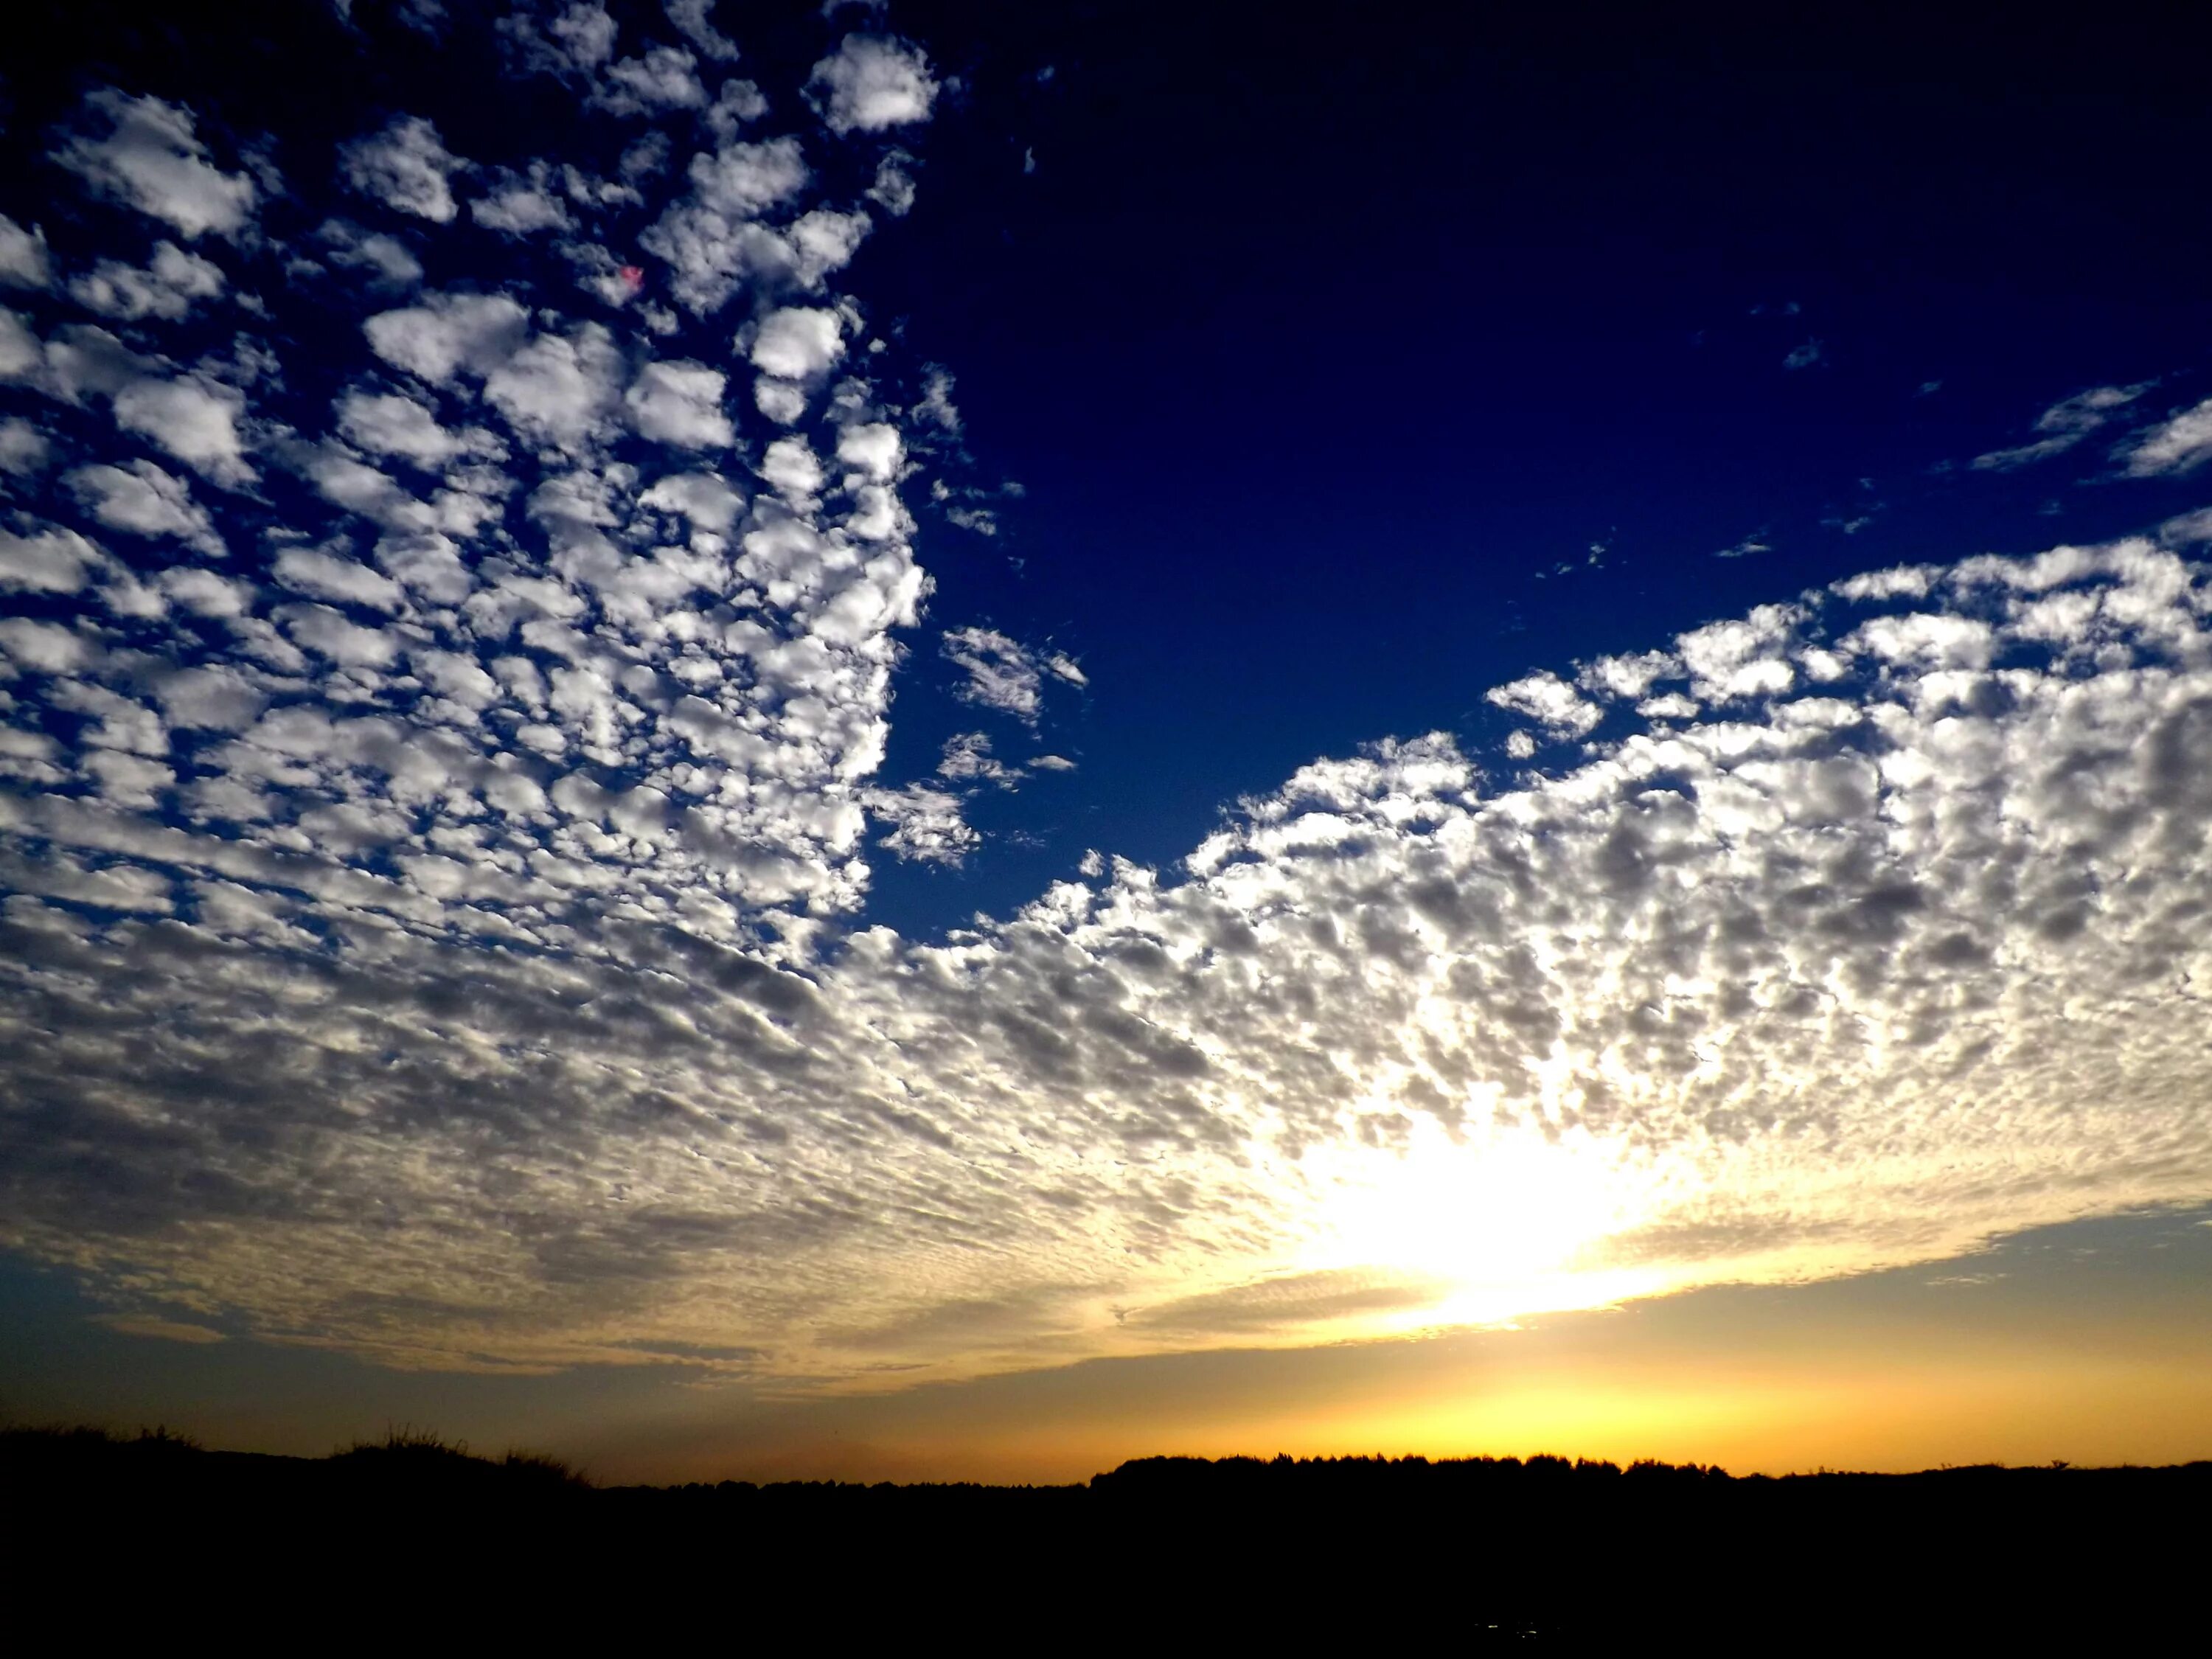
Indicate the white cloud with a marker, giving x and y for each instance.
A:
(1550, 701)
(927, 826)
(1762, 993)
(2181, 443)
(738, 103)
(2063, 425)
(521, 204)
(711, 240)
(311, 571)
(872, 449)
(165, 289)
(204, 593)
(405, 166)
(894, 188)
(194, 420)
(692, 19)
(208, 699)
(704, 498)
(49, 559)
(745, 180)
(448, 333)
(586, 33)
(663, 78)
(23, 259)
(870, 83)
(798, 343)
(574, 42)
(43, 647)
(384, 424)
(1004, 674)
(558, 389)
(389, 260)
(151, 160)
(21, 351)
(937, 406)
(23, 448)
(1629, 675)
(791, 467)
(141, 497)
(783, 402)
(332, 635)
(680, 404)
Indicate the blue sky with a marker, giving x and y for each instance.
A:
(811, 703)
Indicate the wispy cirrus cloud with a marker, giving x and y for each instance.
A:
(2063, 425)
(2179, 444)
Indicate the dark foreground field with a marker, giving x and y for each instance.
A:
(1160, 1553)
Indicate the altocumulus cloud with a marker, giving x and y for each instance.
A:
(436, 827)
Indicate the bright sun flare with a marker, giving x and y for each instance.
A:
(1502, 1225)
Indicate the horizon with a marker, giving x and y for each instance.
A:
(886, 741)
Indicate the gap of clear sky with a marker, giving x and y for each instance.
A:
(941, 742)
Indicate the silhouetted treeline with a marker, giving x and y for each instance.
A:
(1463, 1550)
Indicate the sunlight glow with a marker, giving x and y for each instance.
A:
(1508, 1221)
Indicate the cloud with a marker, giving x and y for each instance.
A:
(150, 158)
(143, 499)
(575, 41)
(2180, 444)
(1802, 919)
(388, 259)
(680, 404)
(23, 259)
(1004, 674)
(713, 240)
(520, 204)
(448, 333)
(691, 18)
(894, 188)
(873, 449)
(491, 835)
(1549, 701)
(2063, 425)
(384, 424)
(308, 570)
(193, 419)
(161, 1330)
(664, 78)
(23, 448)
(927, 826)
(165, 289)
(49, 559)
(406, 167)
(872, 82)
(798, 343)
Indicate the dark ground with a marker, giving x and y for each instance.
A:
(1160, 1553)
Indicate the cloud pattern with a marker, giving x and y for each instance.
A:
(436, 820)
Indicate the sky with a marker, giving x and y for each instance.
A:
(949, 742)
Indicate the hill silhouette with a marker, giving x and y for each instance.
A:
(1568, 1553)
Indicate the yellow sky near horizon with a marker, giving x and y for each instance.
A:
(2090, 1341)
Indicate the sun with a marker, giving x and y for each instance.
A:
(1503, 1224)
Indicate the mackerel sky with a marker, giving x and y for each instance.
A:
(784, 702)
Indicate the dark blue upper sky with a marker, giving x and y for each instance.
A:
(1318, 354)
